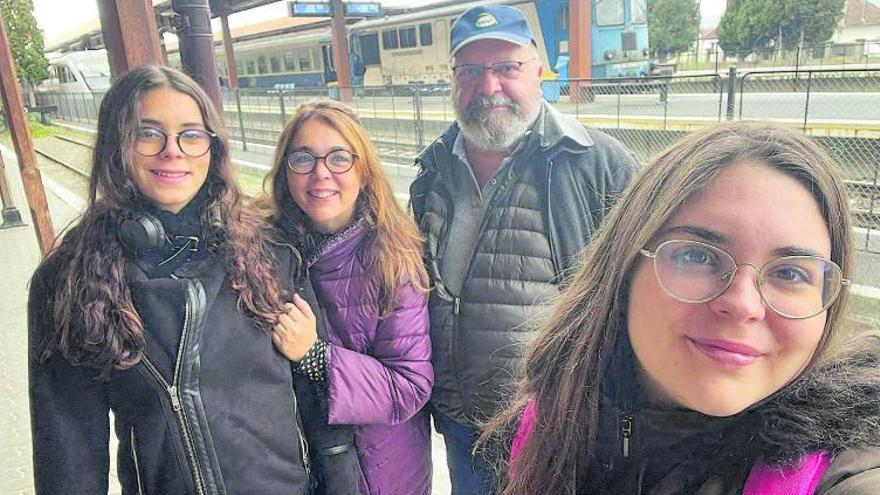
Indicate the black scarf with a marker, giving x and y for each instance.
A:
(185, 241)
(832, 407)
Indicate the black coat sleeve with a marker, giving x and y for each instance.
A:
(69, 410)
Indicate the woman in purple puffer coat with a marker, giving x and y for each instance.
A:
(331, 196)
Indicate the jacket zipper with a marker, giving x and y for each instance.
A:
(626, 428)
(303, 445)
(551, 239)
(174, 395)
(137, 466)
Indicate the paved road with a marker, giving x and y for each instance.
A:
(823, 106)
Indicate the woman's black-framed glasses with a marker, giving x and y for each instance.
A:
(337, 161)
(795, 287)
(192, 142)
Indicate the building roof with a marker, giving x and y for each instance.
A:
(708, 33)
(861, 13)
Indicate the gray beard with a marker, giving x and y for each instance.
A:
(490, 131)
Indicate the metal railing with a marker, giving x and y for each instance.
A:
(864, 54)
(839, 108)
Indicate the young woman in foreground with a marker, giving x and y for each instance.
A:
(157, 305)
(691, 353)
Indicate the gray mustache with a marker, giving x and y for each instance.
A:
(479, 103)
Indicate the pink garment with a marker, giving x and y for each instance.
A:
(802, 479)
(523, 431)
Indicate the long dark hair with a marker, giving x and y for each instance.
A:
(95, 323)
(568, 361)
(394, 249)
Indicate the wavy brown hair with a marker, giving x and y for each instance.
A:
(95, 323)
(394, 245)
(568, 361)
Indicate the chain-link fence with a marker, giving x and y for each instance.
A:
(816, 56)
(839, 108)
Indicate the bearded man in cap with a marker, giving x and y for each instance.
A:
(506, 198)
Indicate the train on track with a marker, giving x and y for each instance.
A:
(404, 47)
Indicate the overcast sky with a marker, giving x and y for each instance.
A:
(57, 17)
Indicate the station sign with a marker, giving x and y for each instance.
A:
(324, 9)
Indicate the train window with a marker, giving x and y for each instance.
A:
(563, 17)
(305, 60)
(639, 11)
(609, 12)
(408, 37)
(426, 37)
(262, 67)
(370, 49)
(389, 39)
(251, 67)
(289, 62)
(275, 63)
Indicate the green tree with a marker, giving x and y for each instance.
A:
(673, 25)
(748, 25)
(25, 40)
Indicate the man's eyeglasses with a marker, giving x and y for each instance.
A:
(338, 161)
(192, 142)
(795, 287)
(467, 73)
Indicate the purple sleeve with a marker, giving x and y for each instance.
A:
(393, 382)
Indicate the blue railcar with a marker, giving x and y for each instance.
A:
(618, 36)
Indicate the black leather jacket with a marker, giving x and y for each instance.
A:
(210, 409)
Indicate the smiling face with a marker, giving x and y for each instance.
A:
(494, 111)
(169, 179)
(328, 199)
(722, 356)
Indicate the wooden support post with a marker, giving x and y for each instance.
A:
(230, 53)
(340, 50)
(580, 25)
(130, 34)
(11, 215)
(13, 107)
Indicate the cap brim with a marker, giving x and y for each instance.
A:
(511, 38)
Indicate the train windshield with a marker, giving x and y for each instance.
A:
(95, 69)
(639, 11)
(609, 12)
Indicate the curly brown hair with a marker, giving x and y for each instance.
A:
(95, 323)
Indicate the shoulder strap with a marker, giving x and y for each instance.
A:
(801, 479)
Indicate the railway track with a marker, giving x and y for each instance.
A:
(84, 174)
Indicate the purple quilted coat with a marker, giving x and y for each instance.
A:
(379, 370)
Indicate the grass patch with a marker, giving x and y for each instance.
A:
(251, 183)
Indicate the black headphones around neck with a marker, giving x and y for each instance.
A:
(141, 233)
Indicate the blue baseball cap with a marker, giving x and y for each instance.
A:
(490, 22)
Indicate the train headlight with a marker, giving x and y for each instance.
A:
(646, 52)
(609, 55)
